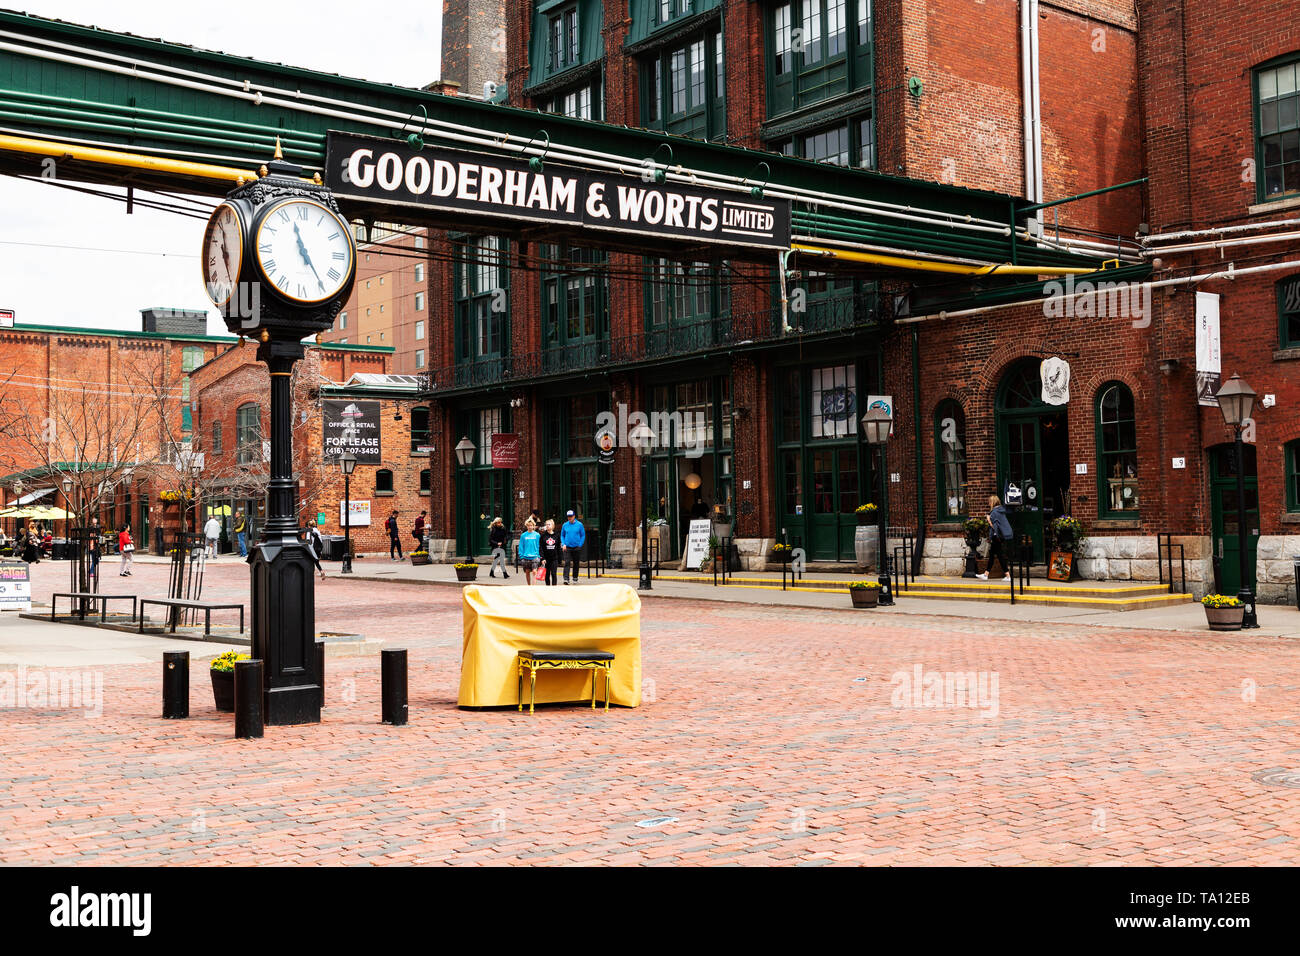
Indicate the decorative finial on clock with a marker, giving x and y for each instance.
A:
(278, 153)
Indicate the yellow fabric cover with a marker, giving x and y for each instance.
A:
(501, 621)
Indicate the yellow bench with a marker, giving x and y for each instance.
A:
(534, 661)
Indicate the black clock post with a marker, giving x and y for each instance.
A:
(283, 585)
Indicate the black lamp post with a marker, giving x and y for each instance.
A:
(642, 440)
(347, 462)
(465, 450)
(1236, 399)
(877, 423)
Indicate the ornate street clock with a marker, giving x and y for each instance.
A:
(279, 261)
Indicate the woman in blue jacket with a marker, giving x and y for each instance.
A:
(529, 554)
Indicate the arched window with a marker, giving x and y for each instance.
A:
(1117, 487)
(383, 481)
(248, 427)
(950, 460)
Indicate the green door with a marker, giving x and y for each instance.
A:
(834, 496)
(1033, 453)
(1225, 510)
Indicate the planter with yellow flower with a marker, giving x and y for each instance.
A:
(1223, 612)
(419, 557)
(466, 571)
(222, 671)
(865, 593)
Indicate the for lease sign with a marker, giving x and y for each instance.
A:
(388, 171)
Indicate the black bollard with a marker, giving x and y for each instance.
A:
(320, 669)
(392, 668)
(249, 718)
(176, 685)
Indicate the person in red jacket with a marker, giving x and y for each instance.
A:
(127, 547)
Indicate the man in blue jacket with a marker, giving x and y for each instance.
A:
(572, 537)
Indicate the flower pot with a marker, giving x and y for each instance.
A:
(223, 690)
(1225, 618)
(418, 559)
(467, 574)
(866, 520)
(865, 597)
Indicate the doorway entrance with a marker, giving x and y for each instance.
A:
(1033, 452)
(1224, 512)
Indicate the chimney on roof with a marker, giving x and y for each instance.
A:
(445, 87)
(174, 321)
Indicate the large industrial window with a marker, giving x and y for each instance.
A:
(1277, 136)
(248, 428)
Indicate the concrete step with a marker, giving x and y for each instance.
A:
(1082, 594)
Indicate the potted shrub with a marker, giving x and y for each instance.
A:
(222, 671)
(866, 513)
(466, 571)
(421, 557)
(974, 530)
(865, 593)
(1223, 612)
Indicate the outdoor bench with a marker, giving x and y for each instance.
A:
(207, 607)
(92, 596)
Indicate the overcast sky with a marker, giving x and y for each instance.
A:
(48, 283)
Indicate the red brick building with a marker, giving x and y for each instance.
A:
(106, 411)
(232, 422)
(932, 91)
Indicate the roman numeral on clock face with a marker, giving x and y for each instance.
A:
(340, 255)
(284, 215)
(264, 248)
(335, 275)
(269, 265)
(282, 283)
(302, 213)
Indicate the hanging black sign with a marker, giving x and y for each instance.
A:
(352, 426)
(389, 171)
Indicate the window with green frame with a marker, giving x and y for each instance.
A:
(847, 143)
(419, 428)
(562, 38)
(582, 101)
(575, 307)
(191, 358)
(1288, 312)
(566, 34)
(1291, 460)
(683, 88)
(1277, 129)
(1117, 464)
(816, 49)
(248, 434)
(950, 460)
(481, 306)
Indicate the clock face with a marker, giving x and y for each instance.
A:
(223, 253)
(304, 250)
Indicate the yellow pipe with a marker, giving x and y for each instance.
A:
(110, 157)
(924, 265)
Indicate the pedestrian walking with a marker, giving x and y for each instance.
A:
(1000, 534)
(92, 547)
(126, 547)
(394, 537)
(418, 531)
(572, 537)
(241, 533)
(550, 551)
(31, 553)
(529, 550)
(316, 545)
(211, 534)
(497, 538)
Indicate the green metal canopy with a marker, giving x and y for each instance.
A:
(121, 109)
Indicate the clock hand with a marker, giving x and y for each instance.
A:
(302, 249)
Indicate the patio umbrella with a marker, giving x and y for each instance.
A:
(47, 513)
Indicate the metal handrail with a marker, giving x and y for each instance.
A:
(1165, 541)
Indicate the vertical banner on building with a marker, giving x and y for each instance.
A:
(1209, 367)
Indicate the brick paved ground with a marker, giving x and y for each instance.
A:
(770, 738)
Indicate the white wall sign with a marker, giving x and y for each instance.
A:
(1180, 463)
(360, 517)
(1081, 468)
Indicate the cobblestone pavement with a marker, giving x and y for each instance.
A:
(768, 736)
